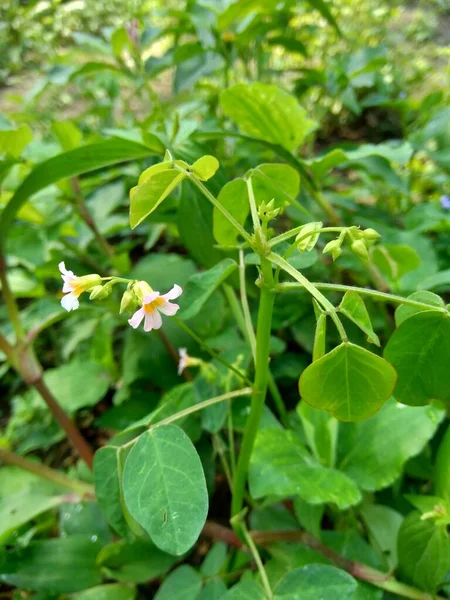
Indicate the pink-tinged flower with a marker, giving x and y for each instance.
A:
(152, 306)
(74, 286)
(182, 363)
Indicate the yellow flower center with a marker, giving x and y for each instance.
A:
(152, 306)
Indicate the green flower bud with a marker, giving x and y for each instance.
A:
(142, 289)
(100, 292)
(87, 282)
(128, 301)
(333, 248)
(371, 236)
(360, 249)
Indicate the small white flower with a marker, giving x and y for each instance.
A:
(182, 363)
(154, 304)
(74, 286)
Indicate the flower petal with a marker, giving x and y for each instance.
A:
(157, 321)
(167, 308)
(149, 298)
(67, 287)
(136, 319)
(173, 293)
(65, 272)
(70, 302)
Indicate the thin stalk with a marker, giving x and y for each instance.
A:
(325, 205)
(237, 312)
(210, 351)
(82, 488)
(231, 440)
(289, 234)
(253, 209)
(7, 348)
(218, 447)
(10, 301)
(87, 218)
(312, 289)
(259, 563)
(204, 190)
(263, 329)
(72, 432)
(173, 353)
(382, 296)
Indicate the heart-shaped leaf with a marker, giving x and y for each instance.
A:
(349, 382)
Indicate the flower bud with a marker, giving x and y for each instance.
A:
(87, 282)
(333, 248)
(128, 301)
(371, 236)
(359, 248)
(142, 289)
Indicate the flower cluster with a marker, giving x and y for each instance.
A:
(139, 296)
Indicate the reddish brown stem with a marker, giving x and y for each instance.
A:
(76, 439)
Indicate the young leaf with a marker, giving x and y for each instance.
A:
(266, 112)
(419, 351)
(13, 141)
(308, 236)
(321, 431)
(423, 551)
(349, 382)
(107, 487)
(442, 468)
(164, 468)
(205, 167)
(184, 582)
(373, 453)
(320, 337)
(383, 524)
(404, 311)
(280, 465)
(353, 307)
(145, 198)
(234, 197)
(201, 285)
(314, 582)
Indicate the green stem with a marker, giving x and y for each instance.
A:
(204, 190)
(82, 488)
(253, 210)
(210, 351)
(382, 296)
(10, 301)
(312, 289)
(289, 234)
(263, 329)
(259, 563)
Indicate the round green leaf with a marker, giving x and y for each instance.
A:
(419, 351)
(165, 490)
(404, 311)
(316, 582)
(349, 382)
(205, 167)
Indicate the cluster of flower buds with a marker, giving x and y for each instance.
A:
(267, 211)
(360, 242)
(139, 298)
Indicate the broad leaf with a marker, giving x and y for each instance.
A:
(146, 197)
(164, 468)
(107, 487)
(316, 582)
(13, 141)
(277, 181)
(266, 112)
(373, 453)
(349, 382)
(404, 311)
(383, 524)
(234, 197)
(205, 167)
(184, 583)
(353, 307)
(245, 590)
(51, 564)
(419, 351)
(200, 287)
(280, 465)
(423, 551)
(395, 260)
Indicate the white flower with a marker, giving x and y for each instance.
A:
(182, 363)
(74, 286)
(154, 304)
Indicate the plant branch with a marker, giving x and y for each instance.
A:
(82, 488)
(259, 563)
(289, 234)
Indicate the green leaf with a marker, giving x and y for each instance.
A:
(349, 382)
(110, 591)
(320, 337)
(353, 307)
(423, 552)
(309, 515)
(321, 431)
(245, 590)
(311, 230)
(205, 167)
(275, 181)
(146, 197)
(213, 590)
(184, 583)
(442, 468)
(280, 465)
(266, 112)
(316, 582)
(234, 197)
(51, 565)
(394, 260)
(134, 562)
(107, 487)
(164, 468)
(383, 524)
(373, 453)
(419, 350)
(201, 285)
(326, 13)
(13, 141)
(68, 134)
(404, 311)
(69, 164)
(214, 560)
